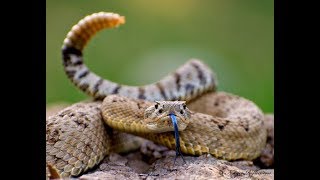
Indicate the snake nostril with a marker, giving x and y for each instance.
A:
(181, 112)
(160, 110)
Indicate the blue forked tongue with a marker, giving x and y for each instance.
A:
(176, 135)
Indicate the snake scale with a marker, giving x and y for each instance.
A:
(77, 138)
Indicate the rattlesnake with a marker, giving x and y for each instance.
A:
(222, 124)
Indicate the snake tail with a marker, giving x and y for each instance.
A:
(187, 82)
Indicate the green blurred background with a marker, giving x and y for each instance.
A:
(235, 38)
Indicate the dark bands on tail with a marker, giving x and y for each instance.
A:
(72, 54)
(186, 83)
(67, 51)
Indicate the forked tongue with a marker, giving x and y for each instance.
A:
(176, 135)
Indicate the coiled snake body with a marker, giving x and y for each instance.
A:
(224, 125)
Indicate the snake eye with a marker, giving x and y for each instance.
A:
(156, 106)
(184, 106)
(160, 111)
(181, 112)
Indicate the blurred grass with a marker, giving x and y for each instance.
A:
(235, 38)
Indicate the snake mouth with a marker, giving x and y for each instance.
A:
(164, 124)
(158, 116)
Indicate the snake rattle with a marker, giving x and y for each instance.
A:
(218, 123)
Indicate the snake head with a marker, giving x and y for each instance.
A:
(157, 116)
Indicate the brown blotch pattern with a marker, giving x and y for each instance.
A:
(245, 124)
(96, 86)
(84, 87)
(201, 76)
(70, 73)
(81, 123)
(221, 123)
(140, 104)
(83, 74)
(190, 88)
(116, 89)
(161, 89)
(178, 79)
(141, 93)
(54, 136)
